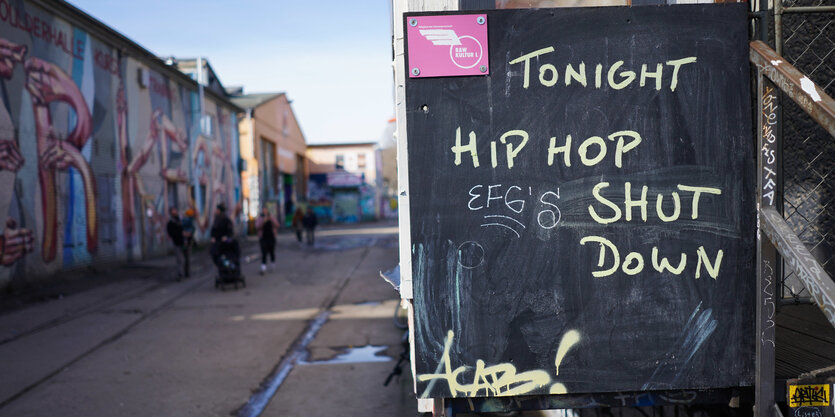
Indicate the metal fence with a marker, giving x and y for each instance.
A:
(806, 181)
(804, 36)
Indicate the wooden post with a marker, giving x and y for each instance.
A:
(769, 140)
(398, 7)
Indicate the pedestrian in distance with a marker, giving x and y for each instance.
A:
(189, 228)
(298, 225)
(175, 233)
(267, 227)
(188, 236)
(222, 234)
(309, 221)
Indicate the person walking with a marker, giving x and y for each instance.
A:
(267, 227)
(222, 233)
(175, 233)
(188, 236)
(309, 221)
(297, 223)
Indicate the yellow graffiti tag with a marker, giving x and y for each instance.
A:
(497, 380)
(809, 395)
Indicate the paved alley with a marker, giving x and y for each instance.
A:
(313, 337)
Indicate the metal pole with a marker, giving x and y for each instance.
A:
(794, 84)
(778, 27)
(809, 9)
(764, 20)
(764, 25)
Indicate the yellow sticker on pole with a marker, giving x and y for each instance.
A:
(809, 395)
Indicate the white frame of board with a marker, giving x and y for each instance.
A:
(399, 7)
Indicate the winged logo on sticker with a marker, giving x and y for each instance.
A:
(441, 36)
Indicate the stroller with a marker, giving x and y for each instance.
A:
(227, 259)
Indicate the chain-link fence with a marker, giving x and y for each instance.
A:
(808, 43)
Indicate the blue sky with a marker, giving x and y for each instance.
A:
(332, 58)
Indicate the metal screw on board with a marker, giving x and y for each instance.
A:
(415, 71)
(483, 68)
(480, 20)
(413, 22)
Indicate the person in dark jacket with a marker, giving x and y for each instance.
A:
(267, 229)
(188, 236)
(223, 233)
(298, 227)
(309, 222)
(175, 233)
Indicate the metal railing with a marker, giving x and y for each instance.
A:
(774, 233)
(804, 37)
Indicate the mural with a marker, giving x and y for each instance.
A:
(95, 147)
(342, 197)
(320, 197)
(367, 202)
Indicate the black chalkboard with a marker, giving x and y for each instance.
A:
(511, 294)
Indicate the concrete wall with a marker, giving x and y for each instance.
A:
(95, 145)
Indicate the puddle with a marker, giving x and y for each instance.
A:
(361, 354)
(259, 400)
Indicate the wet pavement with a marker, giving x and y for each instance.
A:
(312, 337)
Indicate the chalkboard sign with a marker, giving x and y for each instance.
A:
(582, 217)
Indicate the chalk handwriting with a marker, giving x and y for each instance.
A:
(633, 262)
(591, 151)
(549, 75)
(629, 202)
(503, 203)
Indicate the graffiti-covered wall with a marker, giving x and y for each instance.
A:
(95, 146)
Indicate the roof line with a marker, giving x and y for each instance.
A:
(267, 97)
(119, 41)
(322, 145)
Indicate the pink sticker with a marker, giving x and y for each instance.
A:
(448, 45)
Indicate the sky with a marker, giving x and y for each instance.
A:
(332, 58)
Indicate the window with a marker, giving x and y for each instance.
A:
(361, 161)
(173, 195)
(268, 170)
(206, 124)
(340, 161)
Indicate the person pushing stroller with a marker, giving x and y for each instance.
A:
(225, 250)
